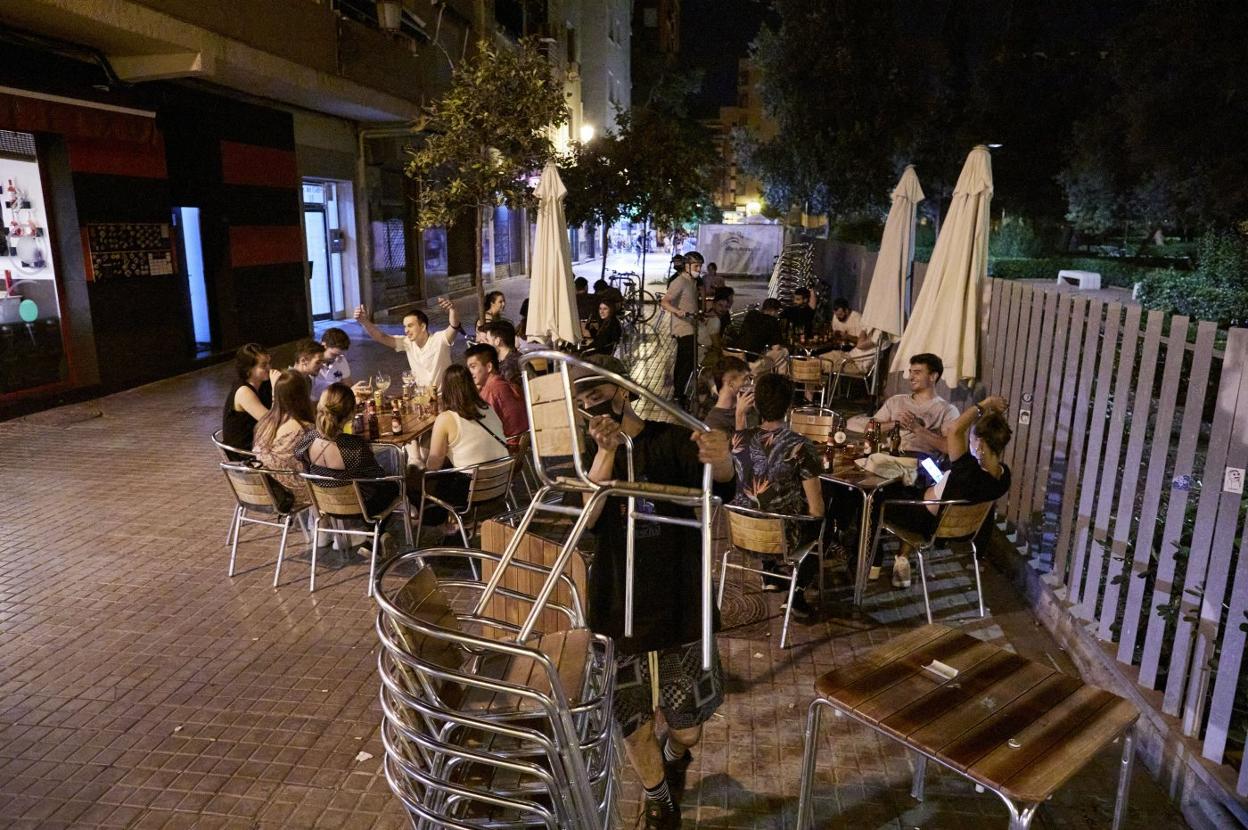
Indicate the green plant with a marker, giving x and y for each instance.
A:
(1016, 237)
(1217, 289)
(598, 186)
(490, 130)
(1115, 272)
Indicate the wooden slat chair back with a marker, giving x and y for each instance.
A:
(813, 423)
(491, 481)
(554, 437)
(962, 521)
(422, 598)
(336, 502)
(253, 487)
(807, 371)
(756, 535)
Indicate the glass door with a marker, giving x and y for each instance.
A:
(318, 261)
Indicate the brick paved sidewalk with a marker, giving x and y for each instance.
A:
(141, 687)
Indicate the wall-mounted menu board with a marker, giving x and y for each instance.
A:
(129, 249)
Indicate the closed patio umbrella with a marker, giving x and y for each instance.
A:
(886, 295)
(945, 321)
(552, 302)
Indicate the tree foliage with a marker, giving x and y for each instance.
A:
(861, 89)
(489, 132)
(598, 187)
(669, 163)
(1165, 147)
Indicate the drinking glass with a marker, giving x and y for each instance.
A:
(409, 380)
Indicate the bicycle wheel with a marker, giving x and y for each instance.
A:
(647, 306)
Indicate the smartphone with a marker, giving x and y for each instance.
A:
(929, 466)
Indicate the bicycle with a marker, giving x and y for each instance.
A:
(639, 305)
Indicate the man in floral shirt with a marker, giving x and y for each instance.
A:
(778, 471)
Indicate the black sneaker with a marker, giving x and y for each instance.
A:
(801, 610)
(774, 580)
(661, 816)
(675, 772)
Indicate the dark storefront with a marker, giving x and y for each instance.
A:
(98, 243)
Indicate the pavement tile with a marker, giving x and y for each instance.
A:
(142, 687)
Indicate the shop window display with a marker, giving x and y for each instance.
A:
(31, 350)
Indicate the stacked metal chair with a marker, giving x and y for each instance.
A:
(481, 731)
(558, 446)
(794, 269)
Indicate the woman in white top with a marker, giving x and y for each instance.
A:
(466, 433)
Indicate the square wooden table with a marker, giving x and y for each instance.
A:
(1013, 726)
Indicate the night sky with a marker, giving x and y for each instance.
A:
(714, 34)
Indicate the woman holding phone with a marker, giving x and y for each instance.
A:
(976, 439)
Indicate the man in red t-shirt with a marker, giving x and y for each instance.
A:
(503, 397)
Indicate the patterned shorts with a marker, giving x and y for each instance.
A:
(688, 696)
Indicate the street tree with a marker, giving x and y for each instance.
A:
(669, 162)
(598, 188)
(478, 143)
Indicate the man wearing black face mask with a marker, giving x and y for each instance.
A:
(667, 593)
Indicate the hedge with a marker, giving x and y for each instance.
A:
(1113, 272)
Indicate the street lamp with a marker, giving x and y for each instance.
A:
(753, 208)
(587, 133)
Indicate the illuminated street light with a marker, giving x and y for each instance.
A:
(753, 208)
(587, 133)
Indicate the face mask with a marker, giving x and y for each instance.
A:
(605, 408)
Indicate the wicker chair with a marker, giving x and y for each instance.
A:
(483, 732)
(342, 500)
(956, 521)
(257, 492)
(762, 533)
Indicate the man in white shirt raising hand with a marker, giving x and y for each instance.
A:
(428, 353)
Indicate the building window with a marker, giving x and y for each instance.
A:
(573, 51)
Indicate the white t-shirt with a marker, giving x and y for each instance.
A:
(682, 293)
(934, 414)
(428, 362)
(336, 371)
(852, 325)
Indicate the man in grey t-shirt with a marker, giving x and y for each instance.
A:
(681, 303)
(922, 414)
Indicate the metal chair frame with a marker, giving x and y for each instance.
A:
(560, 740)
(487, 481)
(256, 493)
(872, 367)
(224, 451)
(323, 507)
(793, 559)
(571, 438)
(954, 516)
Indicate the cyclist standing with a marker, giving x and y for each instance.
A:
(682, 302)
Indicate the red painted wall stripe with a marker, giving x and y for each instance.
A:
(265, 245)
(254, 165)
(146, 161)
